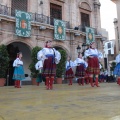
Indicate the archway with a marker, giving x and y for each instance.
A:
(13, 49)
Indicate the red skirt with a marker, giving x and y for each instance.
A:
(93, 66)
(87, 73)
(69, 74)
(49, 67)
(80, 71)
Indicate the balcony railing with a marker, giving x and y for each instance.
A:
(82, 28)
(4, 10)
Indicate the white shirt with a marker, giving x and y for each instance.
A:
(69, 64)
(117, 58)
(41, 55)
(78, 61)
(38, 65)
(95, 52)
(17, 62)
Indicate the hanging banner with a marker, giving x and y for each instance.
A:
(23, 23)
(59, 30)
(90, 35)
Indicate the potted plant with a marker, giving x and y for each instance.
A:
(113, 64)
(4, 63)
(60, 70)
(34, 72)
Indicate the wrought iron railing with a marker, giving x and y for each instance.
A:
(82, 28)
(4, 10)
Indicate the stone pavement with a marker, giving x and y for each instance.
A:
(64, 102)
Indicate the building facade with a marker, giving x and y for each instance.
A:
(77, 14)
(117, 27)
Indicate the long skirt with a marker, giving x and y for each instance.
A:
(117, 70)
(80, 71)
(69, 74)
(87, 73)
(49, 67)
(18, 73)
(93, 66)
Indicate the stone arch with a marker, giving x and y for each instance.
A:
(84, 4)
(13, 48)
(30, 46)
(62, 47)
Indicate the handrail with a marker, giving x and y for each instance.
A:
(4, 10)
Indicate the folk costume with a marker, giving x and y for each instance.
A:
(80, 70)
(39, 66)
(87, 75)
(50, 57)
(18, 74)
(117, 69)
(93, 68)
(69, 75)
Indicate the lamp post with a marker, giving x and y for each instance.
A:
(83, 48)
(78, 49)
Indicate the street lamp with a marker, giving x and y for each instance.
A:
(78, 49)
(83, 49)
(83, 46)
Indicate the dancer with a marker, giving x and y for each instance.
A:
(117, 69)
(50, 57)
(93, 56)
(18, 74)
(80, 69)
(69, 75)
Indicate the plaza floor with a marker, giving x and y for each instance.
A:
(64, 102)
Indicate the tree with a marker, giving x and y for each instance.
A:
(34, 52)
(4, 61)
(61, 66)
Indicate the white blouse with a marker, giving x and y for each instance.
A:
(117, 58)
(69, 64)
(41, 55)
(80, 61)
(93, 52)
(17, 62)
(38, 65)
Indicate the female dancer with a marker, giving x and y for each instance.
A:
(80, 69)
(117, 69)
(18, 74)
(93, 56)
(50, 57)
(69, 75)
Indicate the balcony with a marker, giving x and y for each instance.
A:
(82, 28)
(35, 17)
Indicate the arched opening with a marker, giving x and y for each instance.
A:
(59, 47)
(13, 49)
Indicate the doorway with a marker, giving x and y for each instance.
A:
(13, 49)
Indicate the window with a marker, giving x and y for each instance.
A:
(55, 12)
(109, 51)
(19, 5)
(109, 45)
(85, 20)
